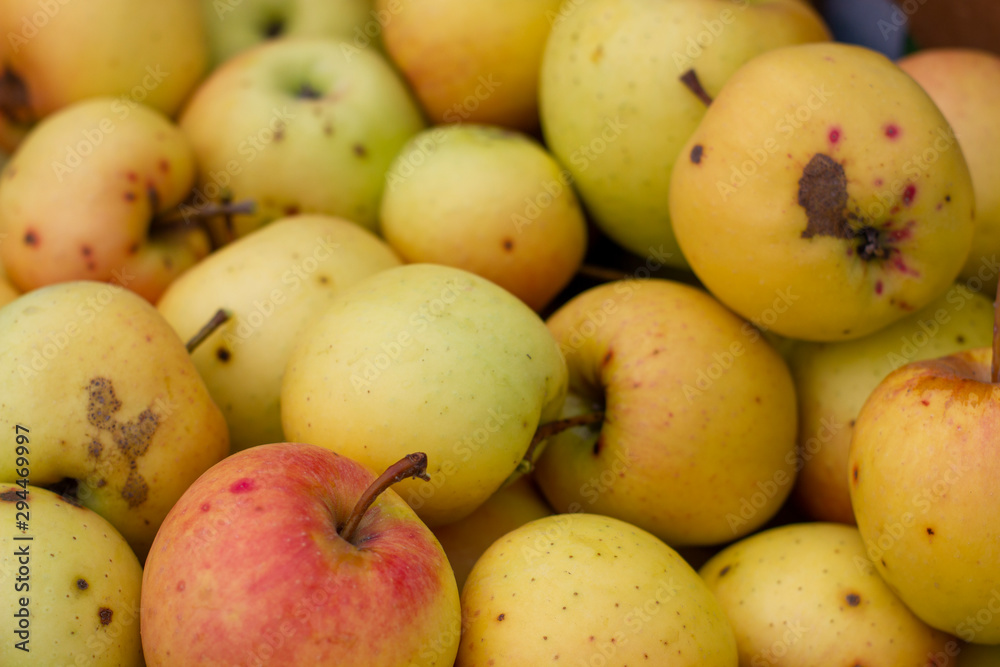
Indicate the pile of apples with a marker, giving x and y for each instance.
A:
(399, 333)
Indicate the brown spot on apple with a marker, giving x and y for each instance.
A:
(9, 496)
(222, 354)
(87, 251)
(129, 196)
(854, 474)
(501, 617)
(31, 238)
(508, 244)
(853, 599)
(360, 150)
(696, 153)
(82, 584)
(105, 615)
(291, 209)
(163, 165)
(930, 531)
(823, 194)
(724, 571)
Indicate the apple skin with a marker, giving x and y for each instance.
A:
(65, 52)
(490, 201)
(806, 594)
(249, 566)
(431, 358)
(698, 440)
(471, 62)
(79, 197)
(620, 137)
(833, 380)
(923, 469)
(965, 85)
(81, 573)
(236, 27)
(274, 282)
(112, 400)
(591, 590)
(299, 125)
(862, 203)
(512, 506)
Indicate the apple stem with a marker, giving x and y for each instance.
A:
(995, 370)
(218, 319)
(552, 429)
(411, 465)
(690, 79)
(601, 273)
(185, 213)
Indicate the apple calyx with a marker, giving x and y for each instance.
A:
(220, 317)
(411, 465)
(14, 100)
(690, 79)
(552, 429)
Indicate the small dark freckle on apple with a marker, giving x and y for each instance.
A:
(500, 617)
(854, 474)
(724, 571)
(696, 153)
(925, 402)
(834, 135)
(960, 339)
(222, 354)
(291, 209)
(87, 251)
(610, 355)
(82, 584)
(508, 244)
(31, 238)
(105, 615)
(853, 599)
(930, 531)
(947, 198)
(360, 150)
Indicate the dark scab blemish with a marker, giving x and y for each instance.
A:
(307, 92)
(853, 599)
(501, 617)
(105, 615)
(360, 150)
(82, 584)
(95, 448)
(274, 28)
(823, 194)
(724, 571)
(242, 486)
(696, 153)
(31, 238)
(222, 354)
(508, 244)
(9, 496)
(930, 531)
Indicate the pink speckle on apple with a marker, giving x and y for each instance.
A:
(241, 486)
(909, 193)
(902, 267)
(834, 135)
(878, 286)
(892, 130)
(904, 233)
(205, 507)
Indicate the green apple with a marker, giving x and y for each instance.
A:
(698, 440)
(119, 417)
(71, 582)
(237, 25)
(273, 283)
(806, 594)
(426, 357)
(586, 589)
(256, 564)
(512, 506)
(56, 53)
(79, 198)
(833, 380)
(862, 203)
(475, 62)
(487, 200)
(923, 468)
(619, 135)
(965, 85)
(299, 126)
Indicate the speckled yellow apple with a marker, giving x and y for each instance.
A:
(618, 135)
(426, 357)
(273, 283)
(589, 589)
(490, 201)
(965, 85)
(860, 202)
(470, 62)
(71, 589)
(833, 380)
(697, 445)
(807, 595)
(923, 467)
